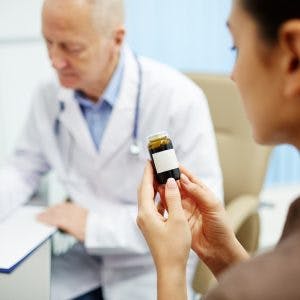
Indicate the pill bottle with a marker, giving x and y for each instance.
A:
(163, 157)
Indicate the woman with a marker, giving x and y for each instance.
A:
(267, 71)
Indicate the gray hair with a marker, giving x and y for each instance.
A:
(108, 14)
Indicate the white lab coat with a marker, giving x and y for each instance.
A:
(105, 182)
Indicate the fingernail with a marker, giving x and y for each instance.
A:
(171, 183)
(184, 179)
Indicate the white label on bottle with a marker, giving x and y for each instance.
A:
(165, 160)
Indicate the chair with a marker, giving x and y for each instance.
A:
(243, 164)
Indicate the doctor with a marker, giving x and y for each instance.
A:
(89, 125)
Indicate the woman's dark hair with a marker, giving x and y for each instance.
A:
(271, 14)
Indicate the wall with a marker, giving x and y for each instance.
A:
(23, 61)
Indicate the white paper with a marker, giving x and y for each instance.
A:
(20, 234)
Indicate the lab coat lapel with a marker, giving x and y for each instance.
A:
(71, 118)
(120, 126)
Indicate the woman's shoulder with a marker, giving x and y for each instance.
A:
(272, 275)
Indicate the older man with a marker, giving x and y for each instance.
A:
(89, 126)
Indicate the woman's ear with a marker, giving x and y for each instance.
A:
(289, 40)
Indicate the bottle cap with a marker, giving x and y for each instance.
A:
(157, 136)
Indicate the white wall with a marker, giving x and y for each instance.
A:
(23, 61)
(19, 19)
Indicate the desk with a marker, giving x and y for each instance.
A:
(31, 279)
(25, 256)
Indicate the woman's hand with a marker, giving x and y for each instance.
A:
(212, 236)
(169, 239)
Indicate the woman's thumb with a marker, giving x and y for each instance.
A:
(173, 198)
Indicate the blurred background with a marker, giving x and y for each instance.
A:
(189, 35)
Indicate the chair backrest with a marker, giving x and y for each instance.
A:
(243, 162)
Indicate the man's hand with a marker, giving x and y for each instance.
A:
(68, 217)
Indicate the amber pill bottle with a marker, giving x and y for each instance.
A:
(163, 157)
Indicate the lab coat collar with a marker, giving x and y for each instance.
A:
(71, 117)
(120, 126)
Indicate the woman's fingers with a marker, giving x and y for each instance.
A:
(198, 191)
(161, 208)
(193, 178)
(173, 198)
(146, 191)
